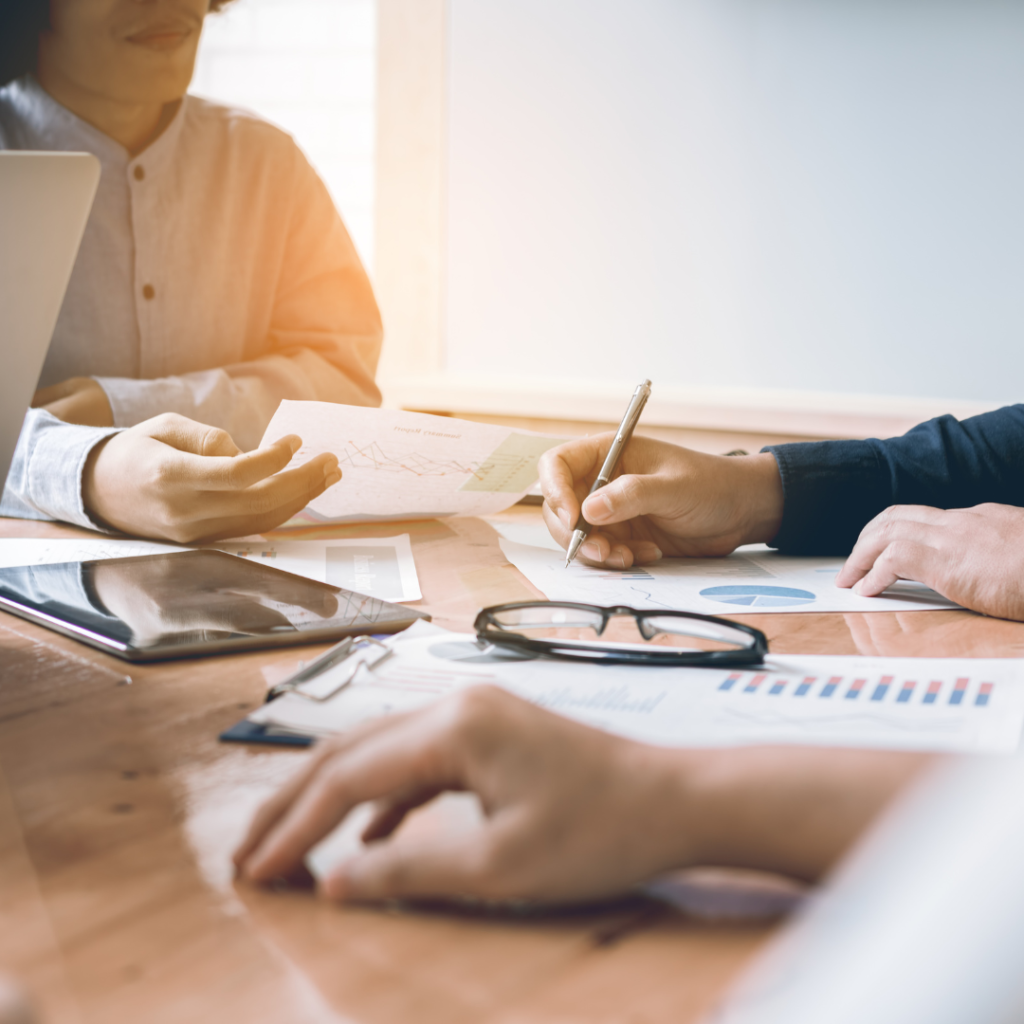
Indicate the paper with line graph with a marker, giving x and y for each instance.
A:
(408, 465)
(942, 704)
(752, 579)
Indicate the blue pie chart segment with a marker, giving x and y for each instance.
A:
(764, 597)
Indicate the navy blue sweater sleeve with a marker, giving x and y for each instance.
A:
(834, 488)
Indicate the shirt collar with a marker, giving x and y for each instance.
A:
(57, 128)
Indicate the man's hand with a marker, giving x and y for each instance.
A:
(568, 812)
(664, 500)
(174, 479)
(974, 556)
(77, 400)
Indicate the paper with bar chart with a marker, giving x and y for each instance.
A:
(405, 465)
(752, 579)
(940, 704)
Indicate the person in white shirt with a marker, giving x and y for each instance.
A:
(215, 279)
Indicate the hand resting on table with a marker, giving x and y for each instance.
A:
(974, 556)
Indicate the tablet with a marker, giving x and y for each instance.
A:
(188, 603)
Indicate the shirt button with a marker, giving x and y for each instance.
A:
(148, 291)
(139, 172)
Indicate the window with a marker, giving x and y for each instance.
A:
(310, 67)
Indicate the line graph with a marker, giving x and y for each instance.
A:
(511, 467)
(372, 456)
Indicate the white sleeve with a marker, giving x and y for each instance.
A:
(45, 479)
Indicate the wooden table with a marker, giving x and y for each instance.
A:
(119, 809)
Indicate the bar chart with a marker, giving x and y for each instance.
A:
(957, 691)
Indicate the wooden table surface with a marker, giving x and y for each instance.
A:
(119, 809)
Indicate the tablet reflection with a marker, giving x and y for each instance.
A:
(205, 598)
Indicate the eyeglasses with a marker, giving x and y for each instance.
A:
(568, 630)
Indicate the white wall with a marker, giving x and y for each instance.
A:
(812, 194)
(309, 66)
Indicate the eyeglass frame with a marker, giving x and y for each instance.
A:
(616, 655)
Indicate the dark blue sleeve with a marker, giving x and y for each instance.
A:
(834, 488)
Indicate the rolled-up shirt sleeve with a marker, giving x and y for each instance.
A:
(834, 488)
(45, 478)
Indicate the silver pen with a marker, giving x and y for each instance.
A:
(611, 460)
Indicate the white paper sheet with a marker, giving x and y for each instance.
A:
(941, 704)
(752, 579)
(38, 551)
(381, 567)
(405, 465)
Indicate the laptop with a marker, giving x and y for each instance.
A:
(45, 200)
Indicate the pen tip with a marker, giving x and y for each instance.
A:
(567, 563)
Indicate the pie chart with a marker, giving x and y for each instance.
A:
(751, 594)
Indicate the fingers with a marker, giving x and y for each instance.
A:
(605, 549)
(560, 468)
(626, 497)
(189, 436)
(254, 510)
(556, 524)
(271, 810)
(270, 493)
(444, 866)
(892, 546)
(403, 755)
(233, 472)
(391, 812)
(901, 560)
(601, 549)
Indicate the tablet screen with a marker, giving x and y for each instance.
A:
(190, 602)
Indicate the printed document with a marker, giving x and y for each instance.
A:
(970, 705)
(409, 465)
(752, 579)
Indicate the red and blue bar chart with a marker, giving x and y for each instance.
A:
(961, 691)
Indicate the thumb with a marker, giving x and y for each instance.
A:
(397, 868)
(626, 497)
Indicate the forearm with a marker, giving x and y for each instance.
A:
(789, 810)
(834, 488)
(242, 398)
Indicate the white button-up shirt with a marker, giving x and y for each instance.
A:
(215, 278)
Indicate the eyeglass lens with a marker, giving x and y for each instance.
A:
(552, 621)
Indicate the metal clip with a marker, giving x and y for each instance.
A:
(330, 673)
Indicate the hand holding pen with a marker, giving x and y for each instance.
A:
(662, 500)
